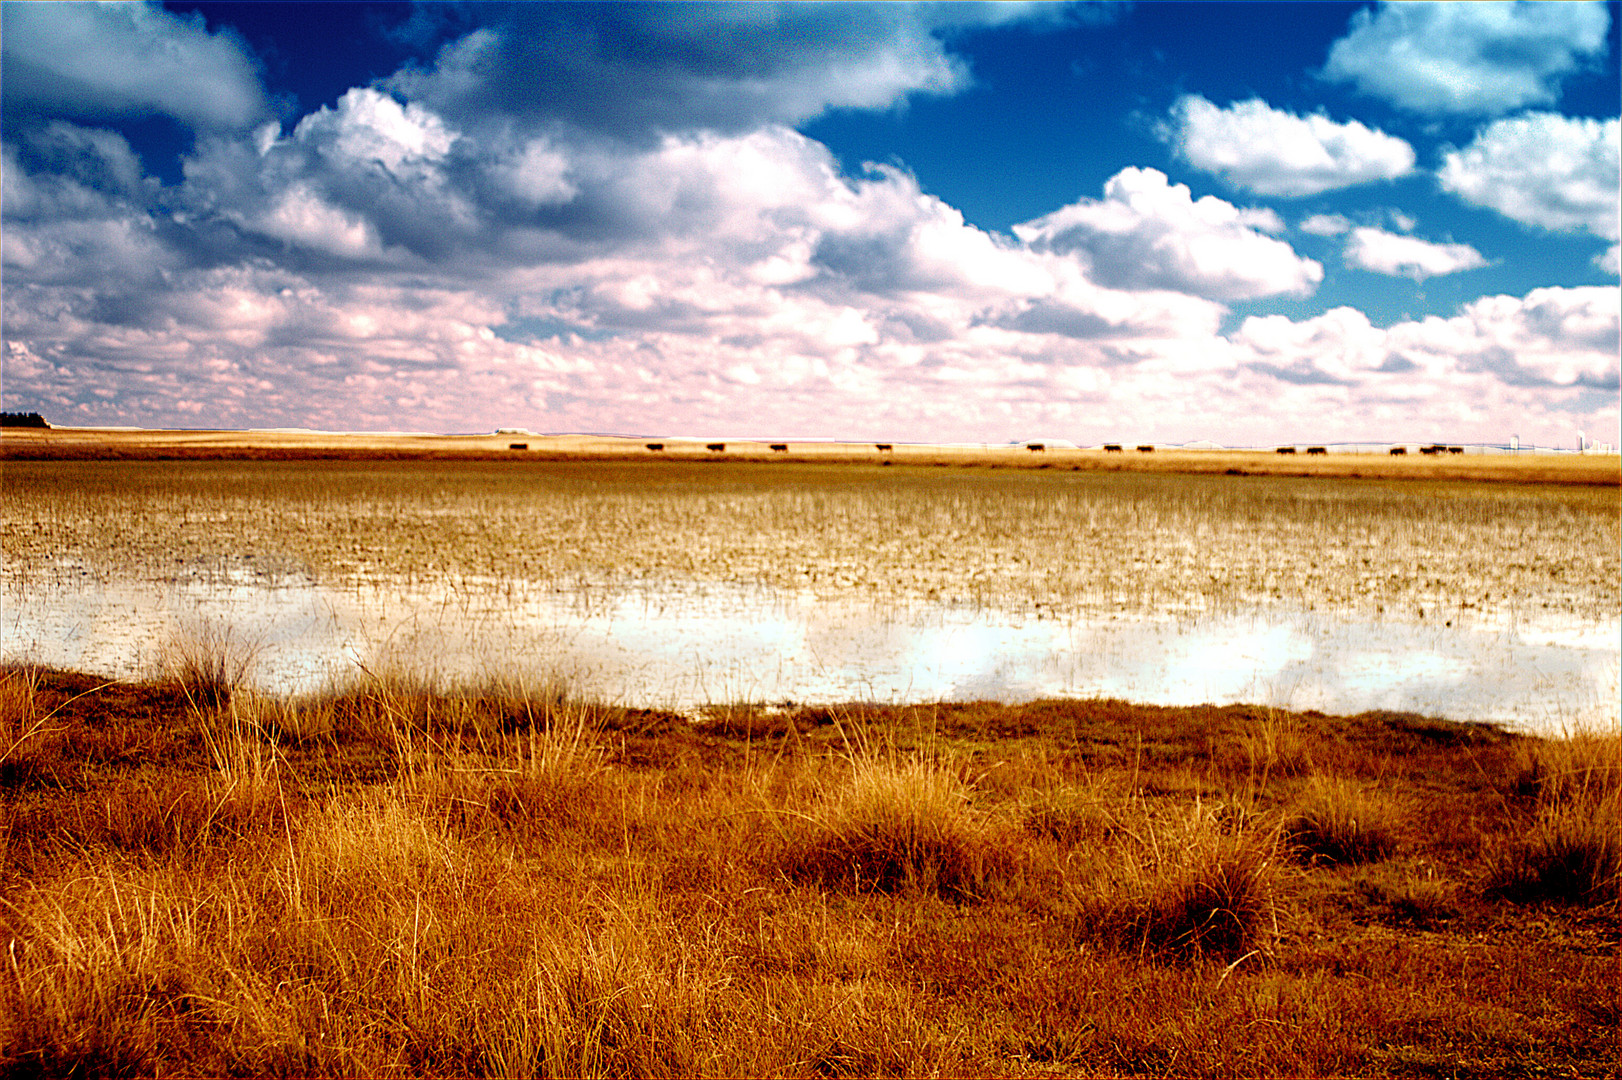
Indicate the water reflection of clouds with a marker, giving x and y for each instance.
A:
(684, 646)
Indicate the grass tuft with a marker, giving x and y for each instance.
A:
(1339, 821)
(209, 665)
(899, 827)
(1572, 856)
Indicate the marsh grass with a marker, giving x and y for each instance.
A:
(1344, 822)
(209, 663)
(497, 880)
(1087, 541)
(900, 825)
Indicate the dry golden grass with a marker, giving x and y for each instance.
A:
(86, 443)
(402, 880)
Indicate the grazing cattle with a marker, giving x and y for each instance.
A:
(1035, 447)
(518, 446)
(1285, 450)
(779, 448)
(1428, 450)
(656, 446)
(1398, 451)
(717, 447)
(1146, 449)
(1317, 450)
(1455, 449)
(1113, 448)
(885, 448)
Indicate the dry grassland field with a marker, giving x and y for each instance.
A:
(336, 756)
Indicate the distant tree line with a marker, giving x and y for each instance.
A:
(23, 419)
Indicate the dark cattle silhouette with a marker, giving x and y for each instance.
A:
(885, 448)
(1455, 449)
(1146, 449)
(1285, 450)
(781, 448)
(1317, 450)
(1113, 448)
(716, 446)
(656, 446)
(1398, 451)
(518, 446)
(1035, 447)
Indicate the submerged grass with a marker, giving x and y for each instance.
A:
(398, 879)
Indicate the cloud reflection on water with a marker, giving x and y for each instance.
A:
(684, 645)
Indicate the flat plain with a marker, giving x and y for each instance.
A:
(395, 876)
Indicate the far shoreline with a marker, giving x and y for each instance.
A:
(125, 444)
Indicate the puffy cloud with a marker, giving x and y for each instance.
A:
(632, 69)
(368, 179)
(1562, 338)
(1407, 256)
(1272, 152)
(1146, 233)
(1554, 172)
(103, 61)
(1482, 57)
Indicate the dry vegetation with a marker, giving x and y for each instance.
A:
(1123, 543)
(394, 879)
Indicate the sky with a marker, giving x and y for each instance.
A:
(1244, 223)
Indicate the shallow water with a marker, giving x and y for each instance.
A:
(680, 585)
(682, 645)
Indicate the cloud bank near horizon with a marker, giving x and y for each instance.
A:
(606, 219)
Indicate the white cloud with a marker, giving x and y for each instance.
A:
(1272, 152)
(1325, 225)
(1544, 363)
(609, 68)
(1146, 233)
(98, 61)
(1554, 172)
(1407, 256)
(1481, 57)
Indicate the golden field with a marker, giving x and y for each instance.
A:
(389, 879)
(105, 444)
(403, 875)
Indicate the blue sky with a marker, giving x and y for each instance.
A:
(1241, 222)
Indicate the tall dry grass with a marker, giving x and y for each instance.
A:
(1571, 851)
(479, 881)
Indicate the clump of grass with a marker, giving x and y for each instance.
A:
(209, 664)
(1573, 855)
(1276, 744)
(1191, 886)
(1068, 815)
(1399, 895)
(1584, 765)
(1218, 902)
(1340, 821)
(899, 826)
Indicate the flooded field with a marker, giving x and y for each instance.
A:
(680, 583)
